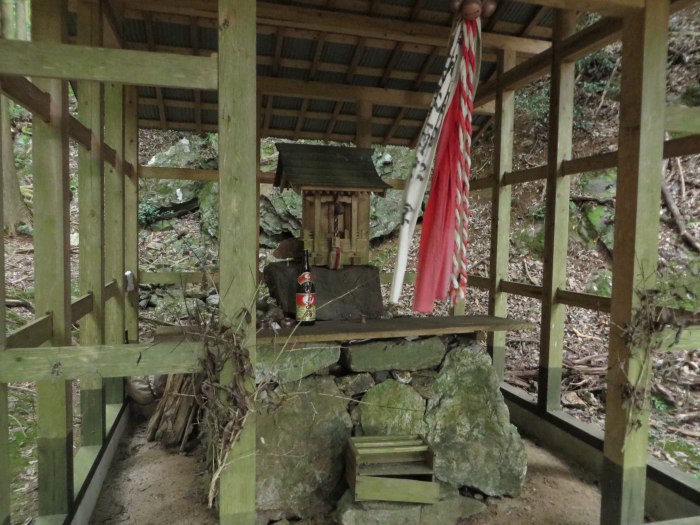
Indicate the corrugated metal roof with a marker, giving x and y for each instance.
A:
(332, 167)
(339, 62)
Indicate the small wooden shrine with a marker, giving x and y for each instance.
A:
(335, 184)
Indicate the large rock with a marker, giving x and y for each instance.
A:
(283, 363)
(469, 428)
(393, 354)
(300, 450)
(348, 293)
(451, 508)
(392, 409)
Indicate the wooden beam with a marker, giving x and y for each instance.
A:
(681, 119)
(556, 228)
(34, 333)
(74, 62)
(81, 307)
(641, 138)
(52, 264)
(522, 289)
(149, 172)
(91, 218)
(360, 25)
(390, 328)
(500, 210)
(115, 178)
(597, 303)
(131, 207)
(677, 339)
(342, 92)
(27, 95)
(66, 363)
(364, 124)
(5, 476)
(606, 7)
(679, 147)
(238, 224)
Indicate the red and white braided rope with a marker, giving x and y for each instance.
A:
(466, 91)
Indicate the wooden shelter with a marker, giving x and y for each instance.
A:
(335, 184)
(361, 71)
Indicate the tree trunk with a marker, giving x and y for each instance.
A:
(15, 211)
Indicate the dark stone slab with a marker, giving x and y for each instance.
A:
(348, 293)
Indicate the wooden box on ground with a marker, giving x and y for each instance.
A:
(391, 468)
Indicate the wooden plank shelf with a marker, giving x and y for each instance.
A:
(324, 331)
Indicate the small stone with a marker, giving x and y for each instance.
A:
(423, 382)
(449, 510)
(355, 384)
(572, 400)
(402, 376)
(213, 300)
(350, 512)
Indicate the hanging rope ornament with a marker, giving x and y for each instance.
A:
(445, 148)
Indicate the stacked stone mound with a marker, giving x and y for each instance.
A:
(313, 397)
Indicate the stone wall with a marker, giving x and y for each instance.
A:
(312, 397)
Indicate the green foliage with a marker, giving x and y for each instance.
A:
(691, 95)
(532, 102)
(23, 151)
(683, 453)
(594, 71)
(149, 213)
(678, 285)
(529, 239)
(659, 404)
(600, 283)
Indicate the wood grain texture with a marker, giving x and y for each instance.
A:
(641, 140)
(391, 328)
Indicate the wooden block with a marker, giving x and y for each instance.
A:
(391, 468)
(371, 488)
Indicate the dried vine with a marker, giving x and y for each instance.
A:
(226, 396)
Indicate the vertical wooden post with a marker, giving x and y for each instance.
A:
(52, 270)
(500, 211)
(114, 229)
(237, 208)
(91, 210)
(4, 419)
(561, 119)
(131, 209)
(640, 158)
(363, 134)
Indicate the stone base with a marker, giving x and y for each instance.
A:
(348, 293)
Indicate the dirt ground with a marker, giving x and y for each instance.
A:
(148, 485)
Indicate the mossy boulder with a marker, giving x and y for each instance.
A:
(392, 409)
(393, 354)
(468, 427)
(302, 432)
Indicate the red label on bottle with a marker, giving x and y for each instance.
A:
(306, 299)
(304, 278)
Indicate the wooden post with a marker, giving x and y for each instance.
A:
(131, 209)
(52, 270)
(114, 229)
(363, 133)
(640, 157)
(91, 210)
(237, 205)
(5, 477)
(561, 115)
(500, 210)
